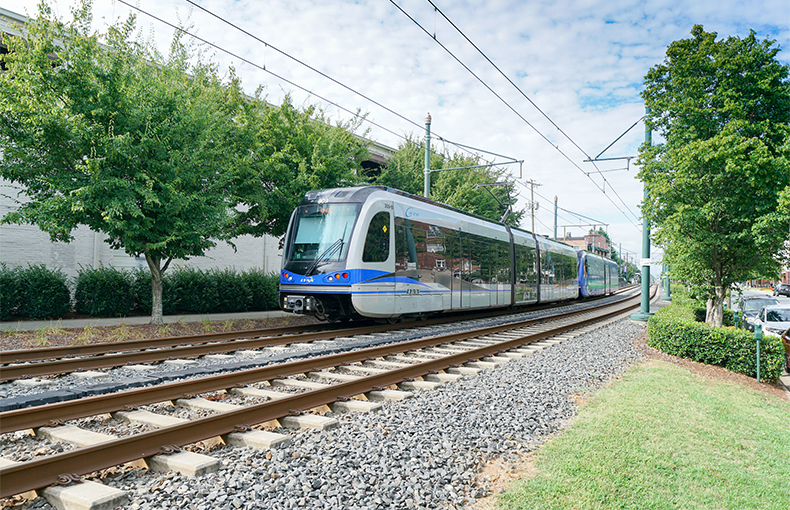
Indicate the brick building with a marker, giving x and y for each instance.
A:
(594, 243)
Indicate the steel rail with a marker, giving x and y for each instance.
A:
(40, 473)
(21, 355)
(11, 372)
(48, 353)
(31, 417)
(108, 348)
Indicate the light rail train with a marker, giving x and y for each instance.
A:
(383, 253)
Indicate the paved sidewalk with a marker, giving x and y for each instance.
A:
(785, 380)
(145, 319)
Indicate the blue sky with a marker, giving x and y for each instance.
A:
(581, 62)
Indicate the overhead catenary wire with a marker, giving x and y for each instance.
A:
(578, 215)
(267, 45)
(262, 68)
(328, 101)
(536, 106)
(602, 189)
(282, 78)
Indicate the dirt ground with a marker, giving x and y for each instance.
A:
(57, 337)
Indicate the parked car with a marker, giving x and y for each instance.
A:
(774, 319)
(750, 307)
(782, 289)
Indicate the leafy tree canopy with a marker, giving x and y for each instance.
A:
(716, 181)
(160, 153)
(456, 188)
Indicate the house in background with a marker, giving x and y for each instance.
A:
(593, 243)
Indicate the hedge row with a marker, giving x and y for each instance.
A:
(40, 293)
(34, 291)
(673, 330)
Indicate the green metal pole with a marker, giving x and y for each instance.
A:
(427, 189)
(555, 217)
(758, 335)
(669, 285)
(644, 311)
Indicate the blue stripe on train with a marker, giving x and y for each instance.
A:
(354, 276)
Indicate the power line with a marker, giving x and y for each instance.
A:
(578, 215)
(533, 104)
(282, 78)
(433, 36)
(333, 80)
(262, 68)
(537, 108)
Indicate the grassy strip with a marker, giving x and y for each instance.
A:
(664, 438)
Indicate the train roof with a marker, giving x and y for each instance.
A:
(361, 193)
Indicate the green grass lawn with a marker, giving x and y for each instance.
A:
(664, 438)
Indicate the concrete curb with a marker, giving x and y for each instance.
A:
(785, 381)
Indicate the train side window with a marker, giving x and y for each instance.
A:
(377, 241)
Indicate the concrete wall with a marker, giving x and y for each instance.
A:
(26, 244)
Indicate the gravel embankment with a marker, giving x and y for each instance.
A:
(421, 453)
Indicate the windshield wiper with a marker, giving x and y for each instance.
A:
(328, 252)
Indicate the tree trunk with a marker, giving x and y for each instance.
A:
(156, 288)
(715, 307)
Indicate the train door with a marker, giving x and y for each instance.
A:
(374, 295)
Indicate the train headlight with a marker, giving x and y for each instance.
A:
(336, 277)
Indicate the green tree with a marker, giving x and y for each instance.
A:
(295, 151)
(159, 153)
(715, 182)
(457, 188)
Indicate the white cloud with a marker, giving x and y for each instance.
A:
(581, 62)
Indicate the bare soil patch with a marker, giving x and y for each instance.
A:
(55, 336)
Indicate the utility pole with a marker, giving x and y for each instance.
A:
(532, 205)
(555, 217)
(427, 189)
(644, 312)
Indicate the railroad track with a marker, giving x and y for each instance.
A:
(21, 364)
(433, 360)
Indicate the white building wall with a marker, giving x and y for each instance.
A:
(21, 245)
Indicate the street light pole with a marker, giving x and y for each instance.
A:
(427, 189)
(644, 312)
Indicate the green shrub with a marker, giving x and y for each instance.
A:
(233, 291)
(264, 289)
(10, 291)
(188, 290)
(194, 291)
(142, 292)
(673, 330)
(104, 292)
(43, 293)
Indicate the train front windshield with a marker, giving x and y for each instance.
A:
(321, 232)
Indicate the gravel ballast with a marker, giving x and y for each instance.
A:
(57, 388)
(420, 453)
